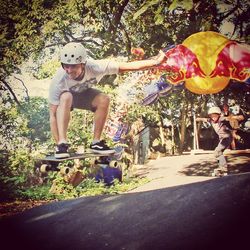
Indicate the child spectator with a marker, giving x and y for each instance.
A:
(234, 123)
(223, 130)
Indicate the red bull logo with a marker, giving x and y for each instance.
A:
(206, 61)
(183, 63)
(233, 61)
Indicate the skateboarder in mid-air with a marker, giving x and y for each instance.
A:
(222, 128)
(73, 87)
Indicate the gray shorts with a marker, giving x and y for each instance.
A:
(84, 99)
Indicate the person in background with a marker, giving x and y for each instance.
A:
(234, 123)
(223, 130)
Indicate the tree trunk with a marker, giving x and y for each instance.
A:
(183, 127)
(172, 139)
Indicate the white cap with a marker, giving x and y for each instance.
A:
(247, 124)
(73, 53)
(214, 110)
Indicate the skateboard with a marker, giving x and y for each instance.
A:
(50, 163)
(219, 172)
(72, 165)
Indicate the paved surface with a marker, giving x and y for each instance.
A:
(190, 168)
(212, 213)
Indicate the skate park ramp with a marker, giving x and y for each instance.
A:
(213, 214)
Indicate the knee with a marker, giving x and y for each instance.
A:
(66, 99)
(103, 101)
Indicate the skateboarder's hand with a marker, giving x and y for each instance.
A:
(160, 58)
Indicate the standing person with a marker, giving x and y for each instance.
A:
(233, 123)
(72, 87)
(220, 126)
(225, 110)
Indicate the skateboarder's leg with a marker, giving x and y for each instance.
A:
(53, 122)
(222, 145)
(63, 116)
(59, 117)
(101, 105)
(59, 120)
(97, 102)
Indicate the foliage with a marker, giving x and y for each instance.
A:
(89, 187)
(46, 69)
(22, 129)
(109, 27)
(80, 128)
(35, 111)
(40, 192)
(12, 124)
(25, 125)
(16, 172)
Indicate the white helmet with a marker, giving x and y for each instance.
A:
(247, 124)
(214, 110)
(73, 53)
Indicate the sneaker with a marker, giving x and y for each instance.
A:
(62, 151)
(101, 148)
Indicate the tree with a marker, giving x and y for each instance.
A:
(36, 29)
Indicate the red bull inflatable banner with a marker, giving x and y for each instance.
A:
(206, 61)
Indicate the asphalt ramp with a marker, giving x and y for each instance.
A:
(212, 214)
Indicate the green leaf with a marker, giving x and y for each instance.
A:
(184, 4)
(144, 8)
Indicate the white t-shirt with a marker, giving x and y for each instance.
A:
(94, 71)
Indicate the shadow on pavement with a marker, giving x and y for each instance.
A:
(206, 215)
(239, 163)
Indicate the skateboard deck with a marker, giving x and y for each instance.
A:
(73, 157)
(50, 163)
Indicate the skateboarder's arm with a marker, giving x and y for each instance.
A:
(143, 64)
(202, 119)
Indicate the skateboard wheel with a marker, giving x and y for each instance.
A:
(64, 170)
(113, 164)
(44, 168)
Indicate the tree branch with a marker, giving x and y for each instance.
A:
(118, 15)
(230, 12)
(25, 88)
(128, 42)
(11, 91)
